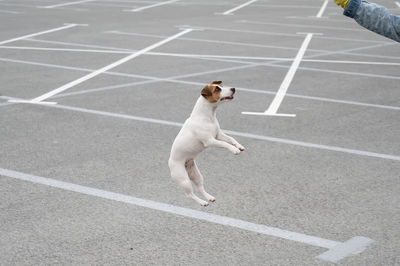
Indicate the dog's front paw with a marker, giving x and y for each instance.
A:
(209, 197)
(235, 150)
(240, 147)
(204, 203)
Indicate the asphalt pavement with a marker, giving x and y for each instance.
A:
(85, 181)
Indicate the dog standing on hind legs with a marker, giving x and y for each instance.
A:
(201, 130)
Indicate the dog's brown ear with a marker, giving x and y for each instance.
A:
(206, 91)
(216, 82)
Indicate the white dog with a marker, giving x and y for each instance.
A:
(200, 130)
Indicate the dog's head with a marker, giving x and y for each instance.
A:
(216, 93)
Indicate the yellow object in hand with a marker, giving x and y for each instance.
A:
(342, 3)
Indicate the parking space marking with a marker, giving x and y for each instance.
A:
(322, 10)
(208, 56)
(67, 4)
(212, 41)
(10, 12)
(284, 59)
(67, 26)
(82, 44)
(269, 46)
(297, 25)
(336, 250)
(151, 6)
(51, 49)
(230, 11)
(204, 56)
(234, 68)
(236, 133)
(286, 6)
(323, 99)
(151, 79)
(287, 34)
(231, 132)
(108, 67)
(347, 51)
(322, 18)
(274, 106)
(5, 104)
(324, 52)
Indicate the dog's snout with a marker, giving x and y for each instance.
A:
(233, 90)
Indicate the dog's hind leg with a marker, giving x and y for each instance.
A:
(197, 179)
(180, 176)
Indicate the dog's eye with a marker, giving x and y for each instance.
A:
(217, 89)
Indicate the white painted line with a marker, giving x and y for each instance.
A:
(67, 26)
(28, 101)
(263, 46)
(128, 75)
(65, 50)
(235, 133)
(82, 45)
(322, 10)
(305, 33)
(351, 73)
(108, 67)
(290, 35)
(397, 3)
(131, 84)
(67, 4)
(274, 59)
(272, 114)
(255, 45)
(249, 64)
(322, 18)
(274, 106)
(299, 25)
(336, 250)
(10, 12)
(304, 6)
(312, 145)
(151, 6)
(5, 104)
(151, 53)
(278, 59)
(201, 73)
(230, 11)
(353, 246)
(323, 99)
(212, 41)
(351, 62)
(175, 80)
(184, 27)
(346, 52)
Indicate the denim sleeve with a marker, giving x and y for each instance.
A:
(375, 18)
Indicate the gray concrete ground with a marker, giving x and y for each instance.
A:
(331, 172)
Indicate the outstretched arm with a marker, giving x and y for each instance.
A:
(372, 16)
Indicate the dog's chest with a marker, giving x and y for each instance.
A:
(212, 128)
(204, 128)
